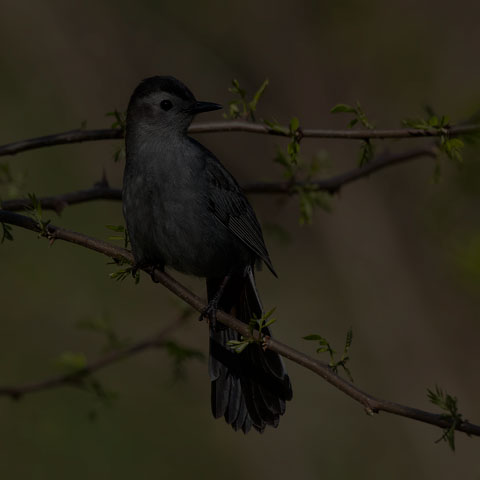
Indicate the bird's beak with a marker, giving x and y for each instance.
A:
(200, 107)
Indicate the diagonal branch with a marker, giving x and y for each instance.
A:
(370, 403)
(81, 135)
(331, 185)
(75, 378)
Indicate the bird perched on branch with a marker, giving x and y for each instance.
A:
(184, 210)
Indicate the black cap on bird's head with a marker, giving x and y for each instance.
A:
(165, 102)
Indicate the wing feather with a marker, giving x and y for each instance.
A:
(229, 204)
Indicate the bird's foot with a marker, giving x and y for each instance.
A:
(136, 267)
(210, 313)
(150, 269)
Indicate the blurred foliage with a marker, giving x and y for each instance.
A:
(102, 325)
(180, 355)
(467, 256)
(11, 184)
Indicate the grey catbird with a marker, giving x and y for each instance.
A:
(184, 210)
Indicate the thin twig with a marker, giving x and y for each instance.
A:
(332, 185)
(370, 403)
(76, 136)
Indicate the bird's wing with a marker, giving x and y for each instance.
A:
(231, 207)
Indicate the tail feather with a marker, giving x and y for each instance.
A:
(249, 388)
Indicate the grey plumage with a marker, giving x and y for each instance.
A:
(184, 210)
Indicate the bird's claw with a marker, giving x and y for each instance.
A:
(150, 269)
(210, 313)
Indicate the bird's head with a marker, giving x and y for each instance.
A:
(165, 103)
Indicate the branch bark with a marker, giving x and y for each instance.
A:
(332, 185)
(369, 402)
(80, 135)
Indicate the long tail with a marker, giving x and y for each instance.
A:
(248, 388)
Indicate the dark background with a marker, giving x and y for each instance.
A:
(398, 259)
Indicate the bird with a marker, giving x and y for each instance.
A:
(185, 211)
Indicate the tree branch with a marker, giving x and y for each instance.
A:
(75, 378)
(80, 135)
(72, 136)
(370, 403)
(335, 183)
(102, 190)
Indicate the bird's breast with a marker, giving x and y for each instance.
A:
(169, 218)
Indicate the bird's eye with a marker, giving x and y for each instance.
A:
(166, 105)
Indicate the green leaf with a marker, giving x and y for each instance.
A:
(348, 340)
(357, 111)
(294, 124)
(6, 232)
(35, 211)
(119, 154)
(453, 148)
(362, 117)
(275, 126)
(253, 104)
(233, 110)
(237, 89)
(241, 107)
(238, 346)
(119, 229)
(6, 176)
(120, 119)
(417, 123)
(433, 121)
(343, 108)
(267, 315)
(72, 362)
(447, 403)
(11, 184)
(366, 153)
(325, 347)
(310, 198)
(122, 274)
(444, 121)
(312, 337)
(293, 149)
(265, 321)
(116, 228)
